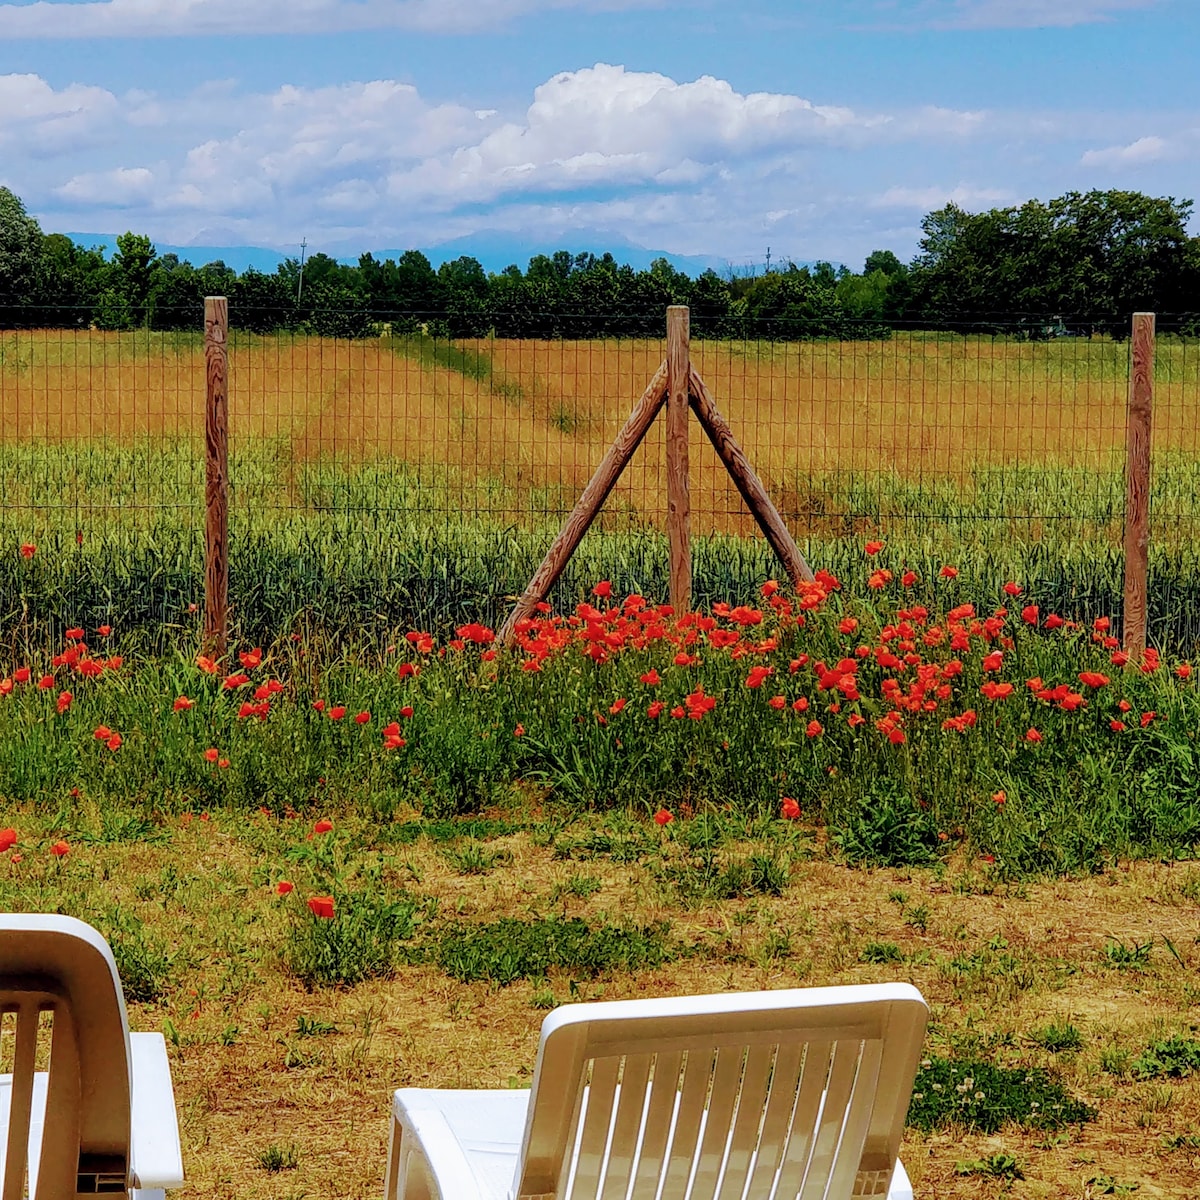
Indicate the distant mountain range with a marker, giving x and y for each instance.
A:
(495, 251)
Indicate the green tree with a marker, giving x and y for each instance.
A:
(21, 263)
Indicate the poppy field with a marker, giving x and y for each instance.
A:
(328, 872)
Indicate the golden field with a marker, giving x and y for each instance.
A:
(536, 416)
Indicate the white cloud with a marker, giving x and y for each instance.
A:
(119, 187)
(36, 119)
(925, 199)
(1144, 150)
(693, 165)
(171, 18)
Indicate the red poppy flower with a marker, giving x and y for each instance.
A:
(65, 700)
(406, 670)
(1124, 705)
(283, 887)
(757, 675)
(603, 589)
(908, 579)
(1184, 670)
(854, 720)
(1093, 679)
(74, 634)
(1116, 726)
(847, 625)
(778, 702)
(104, 630)
(319, 705)
(1101, 624)
(655, 709)
(617, 705)
(114, 742)
(789, 809)
(28, 549)
(1032, 735)
(814, 729)
(948, 572)
(1147, 717)
(206, 664)
(650, 679)
(222, 763)
(1012, 589)
(324, 825)
(1054, 621)
(769, 588)
(247, 709)
(663, 817)
(321, 906)
(873, 547)
(21, 674)
(1029, 614)
(102, 733)
(678, 712)
(337, 712)
(362, 718)
(8, 839)
(993, 661)
(212, 754)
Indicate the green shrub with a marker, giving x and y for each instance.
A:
(363, 940)
(886, 828)
(143, 964)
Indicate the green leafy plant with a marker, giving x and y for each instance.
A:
(507, 950)
(1057, 1037)
(1175, 1057)
(980, 1096)
(362, 941)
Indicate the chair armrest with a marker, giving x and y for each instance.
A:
(425, 1133)
(156, 1160)
(901, 1188)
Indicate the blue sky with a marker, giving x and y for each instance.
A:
(823, 130)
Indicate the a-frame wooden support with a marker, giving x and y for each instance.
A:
(677, 385)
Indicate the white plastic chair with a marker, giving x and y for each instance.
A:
(101, 1119)
(745, 1096)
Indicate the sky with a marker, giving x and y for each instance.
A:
(712, 127)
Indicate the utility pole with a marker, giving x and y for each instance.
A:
(768, 271)
(300, 282)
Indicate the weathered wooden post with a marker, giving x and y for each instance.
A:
(678, 501)
(216, 474)
(1137, 482)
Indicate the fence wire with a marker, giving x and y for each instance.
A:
(412, 479)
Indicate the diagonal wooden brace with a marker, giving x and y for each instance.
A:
(590, 503)
(748, 483)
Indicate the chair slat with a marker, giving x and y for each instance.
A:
(813, 1077)
(730, 1062)
(772, 1142)
(846, 1056)
(743, 1141)
(58, 1170)
(594, 1122)
(630, 1109)
(858, 1121)
(664, 1093)
(692, 1096)
(21, 1101)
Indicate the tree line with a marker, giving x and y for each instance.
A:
(1077, 264)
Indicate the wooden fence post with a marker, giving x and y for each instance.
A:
(216, 474)
(1137, 482)
(678, 501)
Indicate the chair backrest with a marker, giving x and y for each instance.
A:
(766, 1095)
(59, 971)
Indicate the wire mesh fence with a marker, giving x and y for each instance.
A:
(411, 479)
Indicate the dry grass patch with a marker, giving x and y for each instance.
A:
(283, 1091)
